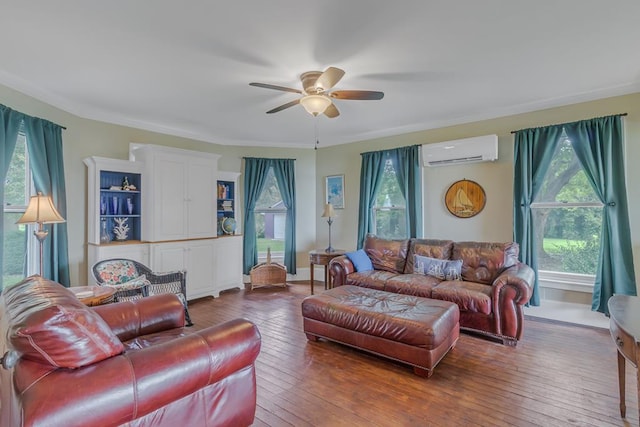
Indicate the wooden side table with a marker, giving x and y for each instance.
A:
(321, 257)
(625, 331)
(93, 295)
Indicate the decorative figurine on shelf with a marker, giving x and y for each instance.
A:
(126, 186)
(121, 230)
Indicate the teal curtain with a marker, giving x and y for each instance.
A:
(10, 122)
(407, 165)
(44, 143)
(533, 152)
(255, 176)
(598, 144)
(284, 171)
(370, 177)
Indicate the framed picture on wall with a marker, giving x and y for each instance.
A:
(334, 191)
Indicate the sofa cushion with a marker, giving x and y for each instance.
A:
(385, 254)
(360, 260)
(470, 296)
(483, 262)
(432, 248)
(374, 279)
(417, 285)
(443, 269)
(52, 326)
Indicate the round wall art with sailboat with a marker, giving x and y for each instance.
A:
(465, 198)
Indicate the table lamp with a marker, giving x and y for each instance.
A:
(40, 211)
(329, 213)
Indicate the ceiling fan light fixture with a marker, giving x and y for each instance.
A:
(315, 104)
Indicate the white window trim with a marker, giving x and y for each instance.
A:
(33, 245)
(567, 281)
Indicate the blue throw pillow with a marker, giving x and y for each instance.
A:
(360, 260)
(443, 269)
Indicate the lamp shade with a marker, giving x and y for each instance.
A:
(328, 211)
(315, 104)
(41, 211)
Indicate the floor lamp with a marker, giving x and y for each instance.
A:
(329, 213)
(40, 211)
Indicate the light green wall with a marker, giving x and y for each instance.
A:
(495, 222)
(84, 138)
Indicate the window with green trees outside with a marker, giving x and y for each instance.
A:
(16, 241)
(389, 211)
(567, 217)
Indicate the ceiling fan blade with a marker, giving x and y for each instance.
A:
(363, 95)
(329, 78)
(332, 111)
(268, 86)
(284, 106)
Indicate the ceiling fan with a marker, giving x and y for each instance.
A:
(316, 97)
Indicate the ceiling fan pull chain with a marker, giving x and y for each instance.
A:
(315, 124)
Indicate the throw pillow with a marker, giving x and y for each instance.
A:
(132, 284)
(443, 269)
(360, 260)
(51, 326)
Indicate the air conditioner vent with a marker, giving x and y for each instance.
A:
(468, 150)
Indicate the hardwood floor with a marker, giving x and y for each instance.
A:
(558, 375)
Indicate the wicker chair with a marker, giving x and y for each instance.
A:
(134, 280)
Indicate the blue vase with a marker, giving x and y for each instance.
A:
(114, 205)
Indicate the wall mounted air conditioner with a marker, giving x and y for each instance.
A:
(468, 150)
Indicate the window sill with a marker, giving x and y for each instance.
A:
(566, 281)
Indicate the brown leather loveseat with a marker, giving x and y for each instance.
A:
(490, 289)
(128, 363)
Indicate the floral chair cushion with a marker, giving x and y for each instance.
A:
(117, 272)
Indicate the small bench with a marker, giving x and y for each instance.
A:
(413, 330)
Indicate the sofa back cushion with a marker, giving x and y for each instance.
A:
(432, 248)
(48, 324)
(482, 262)
(385, 254)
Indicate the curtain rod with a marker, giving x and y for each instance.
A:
(268, 158)
(388, 149)
(621, 115)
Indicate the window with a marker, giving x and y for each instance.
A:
(389, 212)
(567, 220)
(270, 220)
(18, 246)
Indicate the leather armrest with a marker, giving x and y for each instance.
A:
(339, 267)
(137, 383)
(511, 290)
(521, 277)
(130, 319)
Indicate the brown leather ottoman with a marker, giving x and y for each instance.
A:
(414, 330)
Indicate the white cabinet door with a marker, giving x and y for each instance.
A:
(169, 188)
(167, 257)
(201, 199)
(229, 259)
(196, 257)
(181, 196)
(201, 267)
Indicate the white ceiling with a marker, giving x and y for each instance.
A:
(183, 68)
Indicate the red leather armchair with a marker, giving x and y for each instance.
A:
(129, 363)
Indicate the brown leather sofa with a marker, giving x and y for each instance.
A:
(491, 292)
(129, 363)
